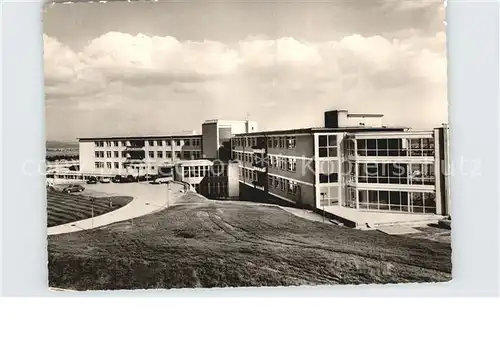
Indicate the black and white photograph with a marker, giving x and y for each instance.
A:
(230, 144)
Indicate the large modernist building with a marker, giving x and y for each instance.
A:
(136, 155)
(352, 162)
(148, 154)
(202, 160)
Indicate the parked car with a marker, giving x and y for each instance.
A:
(130, 179)
(118, 179)
(161, 180)
(92, 180)
(105, 180)
(74, 188)
(146, 178)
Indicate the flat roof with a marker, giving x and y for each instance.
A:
(324, 130)
(147, 137)
(365, 115)
(212, 121)
(200, 162)
(391, 133)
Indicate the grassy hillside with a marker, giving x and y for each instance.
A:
(208, 244)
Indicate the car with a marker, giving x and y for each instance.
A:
(92, 180)
(105, 180)
(74, 188)
(118, 179)
(129, 179)
(161, 181)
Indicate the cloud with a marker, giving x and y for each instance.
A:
(144, 60)
(412, 5)
(119, 75)
(61, 64)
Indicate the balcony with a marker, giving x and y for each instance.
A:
(258, 148)
(259, 166)
(258, 184)
(130, 162)
(135, 155)
(134, 147)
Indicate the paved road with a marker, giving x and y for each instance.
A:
(148, 198)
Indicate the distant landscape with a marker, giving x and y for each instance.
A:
(61, 150)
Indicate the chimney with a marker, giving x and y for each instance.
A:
(332, 119)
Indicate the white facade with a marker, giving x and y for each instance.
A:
(136, 156)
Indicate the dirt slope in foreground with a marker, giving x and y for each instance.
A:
(218, 245)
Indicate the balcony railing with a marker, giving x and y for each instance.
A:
(258, 147)
(259, 164)
(135, 157)
(134, 147)
(259, 184)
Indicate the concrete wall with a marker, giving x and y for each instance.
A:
(303, 198)
(238, 127)
(233, 179)
(86, 156)
(442, 170)
(251, 127)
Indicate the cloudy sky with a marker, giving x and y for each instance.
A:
(154, 68)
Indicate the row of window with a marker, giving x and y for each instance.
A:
(282, 184)
(398, 173)
(243, 156)
(392, 147)
(278, 162)
(248, 174)
(328, 170)
(286, 142)
(282, 142)
(185, 154)
(178, 142)
(152, 154)
(399, 201)
(217, 189)
(203, 171)
(118, 165)
(213, 189)
(283, 163)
